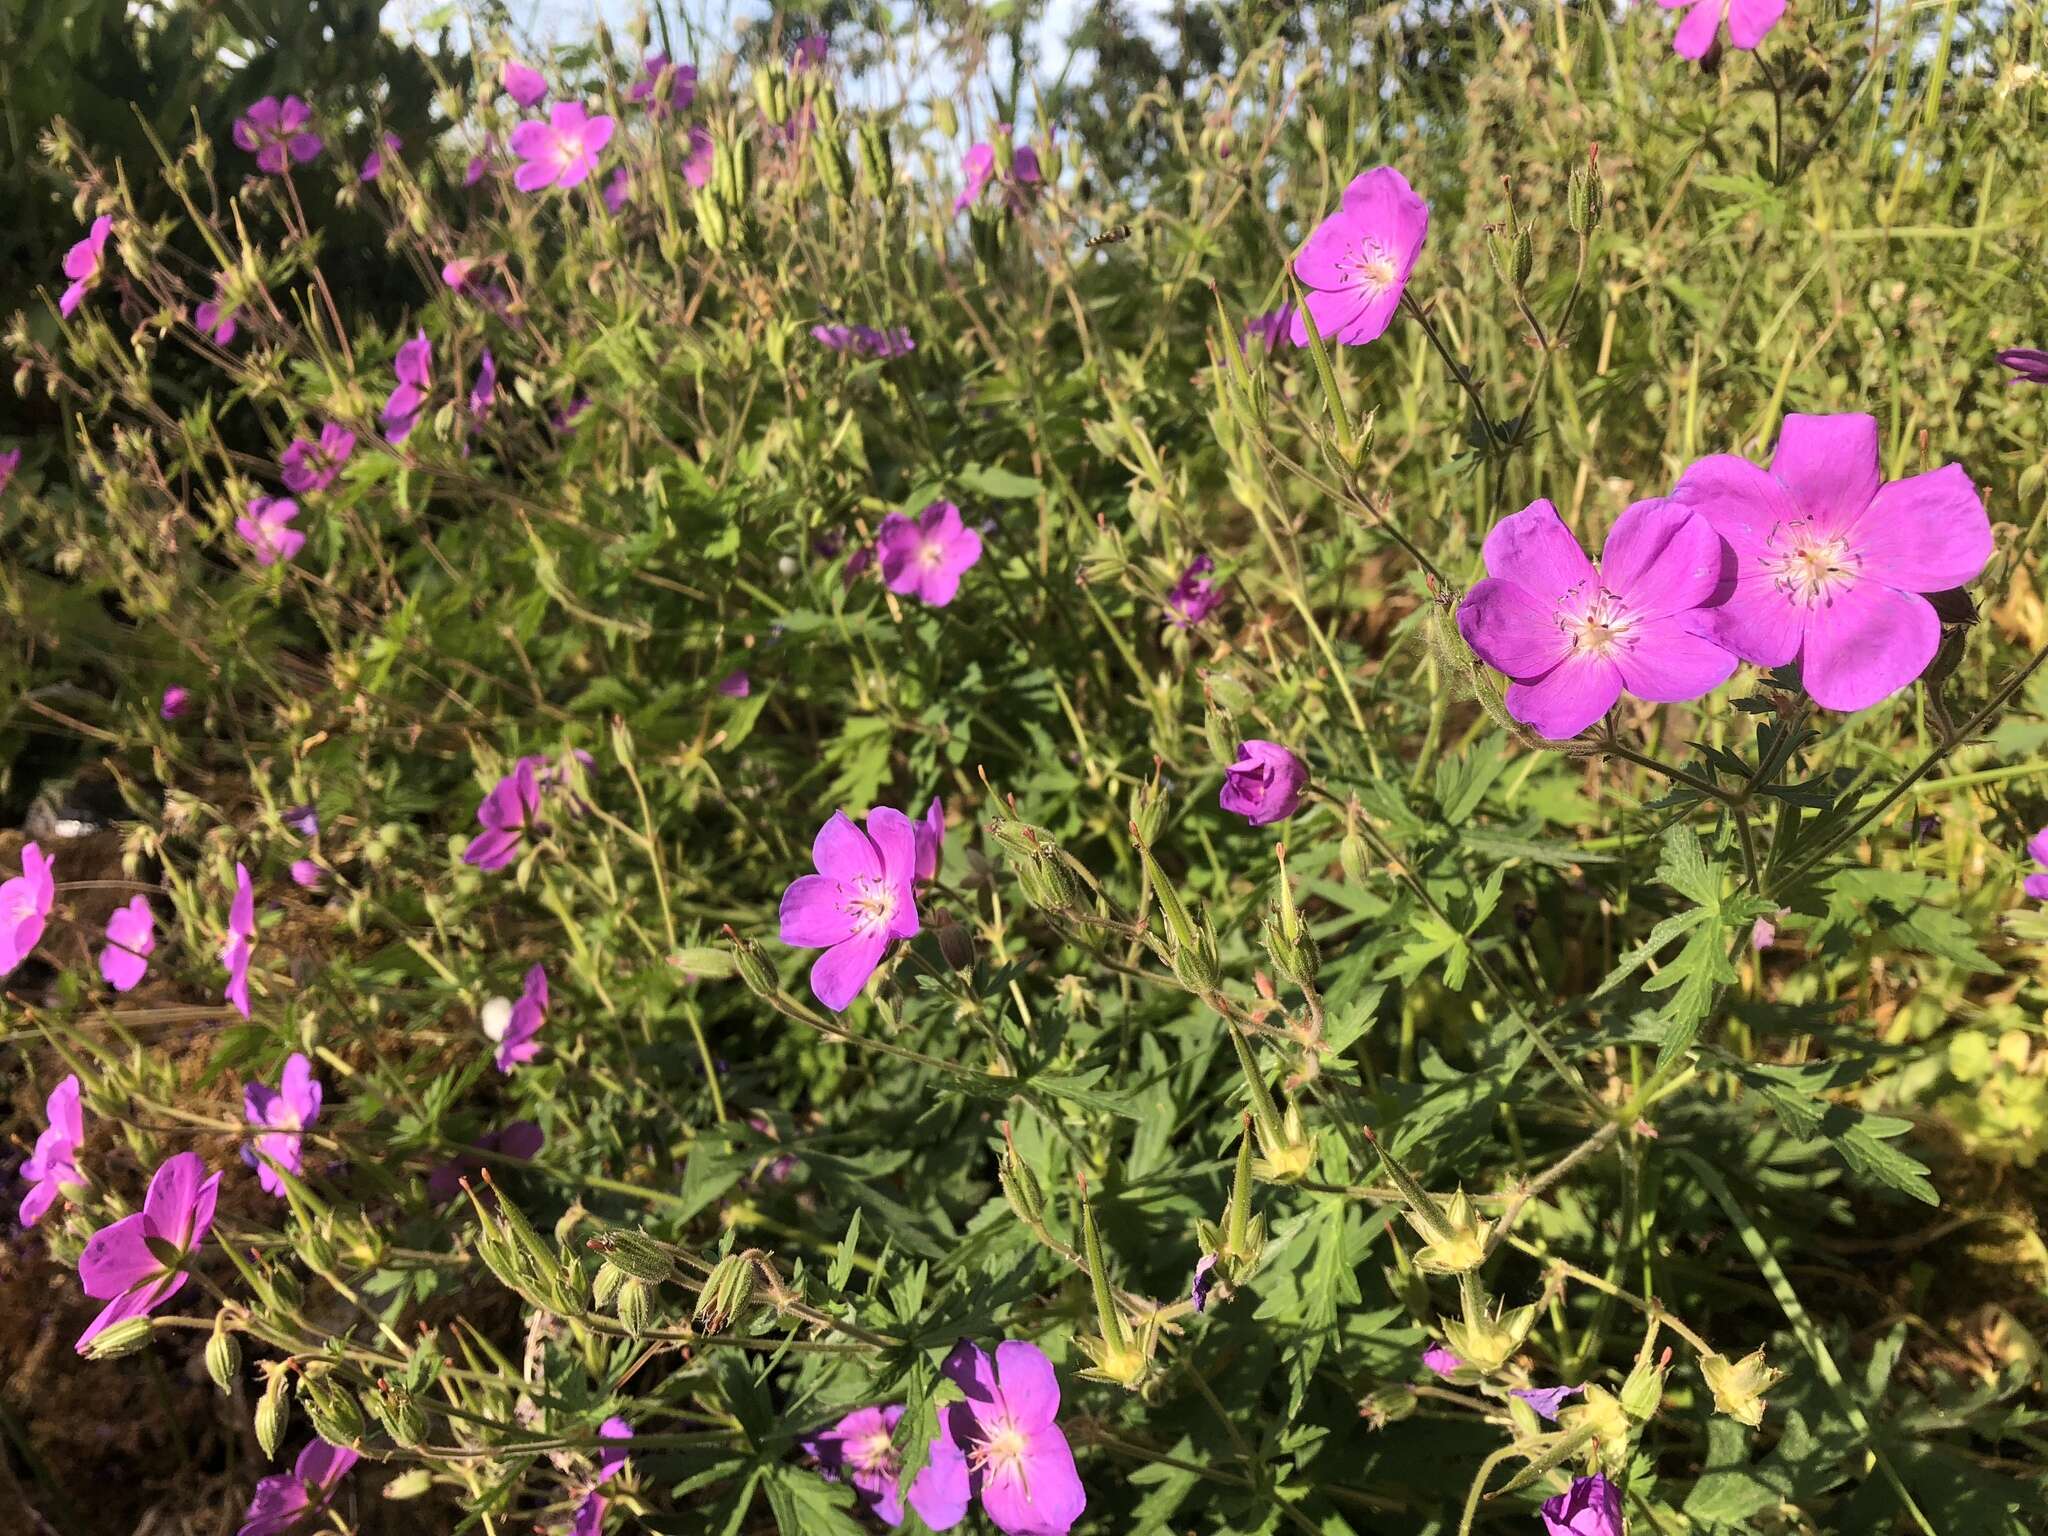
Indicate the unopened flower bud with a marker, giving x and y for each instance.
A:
(604, 1285)
(1005, 150)
(336, 1415)
(223, 1357)
(401, 1416)
(1739, 1386)
(754, 968)
(728, 1291)
(1298, 959)
(1389, 1405)
(273, 1412)
(956, 944)
(943, 117)
(124, 1338)
(1584, 202)
(635, 1304)
(637, 1254)
(1046, 880)
(1526, 1425)
(1020, 1184)
(1221, 734)
(1643, 1390)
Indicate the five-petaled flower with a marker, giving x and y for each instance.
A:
(285, 1113)
(1019, 1463)
(1573, 638)
(979, 169)
(285, 1501)
(414, 368)
(82, 265)
(1748, 22)
(561, 152)
(514, 1033)
(1590, 1507)
(1264, 785)
(663, 86)
(861, 1449)
(266, 528)
(1355, 265)
(862, 896)
(54, 1162)
(215, 319)
(239, 945)
(309, 466)
(131, 937)
(590, 1513)
(929, 556)
(522, 82)
(1194, 597)
(25, 902)
(1832, 561)
(138, 1263)
(278, 133)
(509, 813)
(2036, 884)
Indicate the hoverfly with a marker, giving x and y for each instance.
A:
(1108, 237)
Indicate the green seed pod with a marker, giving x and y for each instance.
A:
(635, 1305)
(604, 1285)
(639, 1255)
(403, 1419)
(1500, 246)
(834, 170)
(223, 1357)
(1047, 881)
(124, 1338)
(1643, 1391)
(318, 1251)
(285, 1290)
(1020, 1185)
(877, 163)
(943, 117)
(711, 221)
(1195, 964)
(273, 1412)
(754, 968)
(336, 1415)
(1005, 151)
(764, 94)
(1387, 1406)
(1525, 258)
(1298, 959)
(726, 1294)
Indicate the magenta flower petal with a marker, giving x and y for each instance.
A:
(844, 852)
(1264, 785)
(813, 916)
(940, 1493)
(838, 975)
(1696, 33)
(931, 839)
(116, 1258)
(131, 936)
(1672, 663)
(1666, 559)
(1505, 627)
(1567, 699)
(1875, 642)
(522, 82)
(1439, 1361)
(1926, 533)
(1546, 1400)
(1830, 466)
(1750, 20)
(1535, 550)
(1592, 1505)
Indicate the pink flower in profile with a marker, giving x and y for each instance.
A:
(979, 169)
(25, 902)
(2036, 884)
(809, 53)
(1356, 264)
(478, 168)
(175, 702)
(373, 165)
(589, 1518)
(861, 1449)
(138, 1263)
(508, 813)
(82, 264)
(2028, 365)
(1439, 1361)
(1264, 785)
(307, 874)
(862, 896)
(1573, 638)
(266, 528)
(927, 557)
(736, 685)
(522, 1139)
(215, 319)
(697, 164)
(54, 1162)
(1272, 330)
(1194, 597)
(286, 1501)
(1204, 1282)
(10, 461)
(561, 152)
(522, 82)
(484, 392)
(1590, 1507)
(517, 1044)
(414, 369)
(284, 1112)
(278, 134)
(308, 466)
(239, 945)
(664, 87)
(1748, 22)
(618, 191)
(1832, 562)
(456, 273)
(131, 938)
(1020, 1465)
(930, 833)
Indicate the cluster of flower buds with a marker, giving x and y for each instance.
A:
(721, 203)
(1289, 943)
(1186, 940)
(549, 1279)
(336, 1415)
(1041, 868)
(728, 1292)
(877, 160)
(630, 1279)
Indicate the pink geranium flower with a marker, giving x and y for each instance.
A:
(1590, 1507)
(736, 685)
(2036, 884)
(522, 82)
(54, 1162)
(1748, 22)
(308, 466)
(664, 87)
(1439, 1361)
(287, 1501)
(1355, 266)
(1194, 597)
(2029, 365)
(508, 813)
(1019, 1462)
(1264, 785)
(131, 938)
(414, 369)
(278, 133)
(930, 835)
(82, 264)
(215, 319)
(1573, 638)
(239, 945)
(138, 1263)
(373, 164)
(927, 557)
(589, 1518)
(979, 169)
(484, 392)
(1546, 1402)
(697, 164)
(284, 1112)
(861, 1449)
(521, 1139)
(1273, 329)
(266, 529)
(1832, 563)
(516, 1042)
(25, 902)
(809, 53)
(862, 897)
(561, 152)
(174, 702)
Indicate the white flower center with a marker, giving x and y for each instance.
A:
(1604, 629)
(1001, 1453)
(1808, 566)
(873, 1453)
(931, 553)
(1372, 267)
(873, 903)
